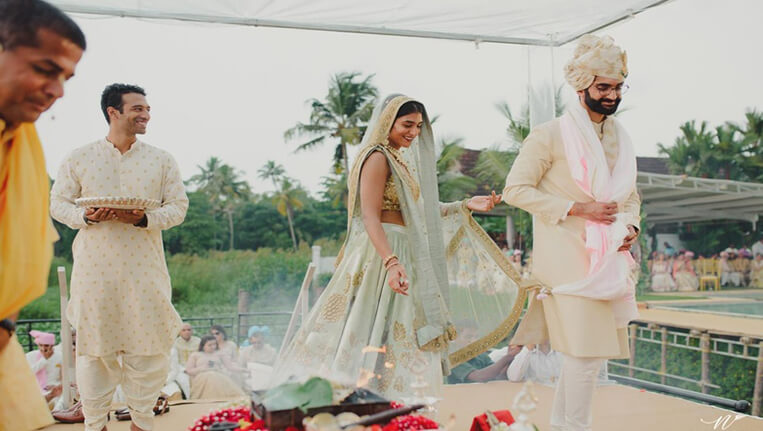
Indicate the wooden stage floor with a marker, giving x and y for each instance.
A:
(616, 407)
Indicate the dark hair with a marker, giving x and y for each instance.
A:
(220, 329)
(20, 20)
(206, 339)
(409, 108)
(112, 97)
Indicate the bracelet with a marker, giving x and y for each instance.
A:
(387, 268)
(387, 259)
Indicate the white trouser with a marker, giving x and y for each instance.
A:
(141, 378)
(574, 394)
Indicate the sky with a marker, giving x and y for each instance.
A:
(231, 91)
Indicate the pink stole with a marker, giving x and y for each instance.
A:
(609, 272)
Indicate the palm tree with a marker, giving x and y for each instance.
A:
(341, 117)
(223, 187)
(288, 198)
(335, 189)
(451, 182)
(271, 171)
(233, 191)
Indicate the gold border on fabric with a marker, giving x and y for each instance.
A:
(502, 331)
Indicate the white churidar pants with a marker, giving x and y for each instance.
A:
(141, 378)
(573, 397)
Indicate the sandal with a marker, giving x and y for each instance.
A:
(162, 406)
(122, 414)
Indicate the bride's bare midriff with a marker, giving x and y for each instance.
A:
(394, 217)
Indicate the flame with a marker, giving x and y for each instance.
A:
(369, 349)
(364, 378)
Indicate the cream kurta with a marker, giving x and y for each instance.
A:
(120, 287)
(540, 183)
(186, 348)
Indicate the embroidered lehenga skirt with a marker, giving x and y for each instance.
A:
(361, 332)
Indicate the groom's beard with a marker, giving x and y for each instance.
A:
(596, 106)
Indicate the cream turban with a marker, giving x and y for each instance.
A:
(595, 56)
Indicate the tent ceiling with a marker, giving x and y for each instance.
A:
(675, 199)
(531, 22)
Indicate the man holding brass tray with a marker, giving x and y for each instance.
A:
(120, 193)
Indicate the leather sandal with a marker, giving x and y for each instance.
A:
(162, 406)
(122, 414)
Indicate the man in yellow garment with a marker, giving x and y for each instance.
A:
(39, 49)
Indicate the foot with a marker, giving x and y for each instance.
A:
(71, 416)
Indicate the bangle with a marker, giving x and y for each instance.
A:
(387, 259)
(387, 268)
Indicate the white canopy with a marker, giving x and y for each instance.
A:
(677, 198)
(530, 22)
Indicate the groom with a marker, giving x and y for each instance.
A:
(585, 221)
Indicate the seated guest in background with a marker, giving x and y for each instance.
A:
(226, 347)
(209, 372)
(528, 266)
(482, 369)
(757, 248)
(661, 279)
(537, 363)
(258, 350)
(46, 366)
(186, 343)
(516, 261)
(669, 250)
(178, 384)
(683, 273)
(743, 264)
(729, 274)
(756, 271)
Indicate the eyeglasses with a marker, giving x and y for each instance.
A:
(606, 89)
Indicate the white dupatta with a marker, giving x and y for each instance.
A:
(609, 273)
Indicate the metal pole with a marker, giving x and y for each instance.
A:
(704, 345)
(757, 397)
(664, 355)
(67, 354)
(632, 360)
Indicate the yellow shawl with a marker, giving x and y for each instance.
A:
(26, 232)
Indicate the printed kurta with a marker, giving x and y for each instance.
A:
(120, 287)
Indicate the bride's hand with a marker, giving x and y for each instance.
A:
(398, 279)
(483, 203)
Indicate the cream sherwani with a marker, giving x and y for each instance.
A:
(540, 183)
(120, 288)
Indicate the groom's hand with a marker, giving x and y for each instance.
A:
(598, 212)
(630, 239)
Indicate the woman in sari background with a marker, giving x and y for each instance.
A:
(409, 268)
(683, 273)
(662, 281)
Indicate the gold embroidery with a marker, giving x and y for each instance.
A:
(502, 331)
(390, 200)
(399, 384)
(398, 331)
(358, 278)
(455, 242)
(334, 308)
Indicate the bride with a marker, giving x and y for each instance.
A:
(411, 272)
